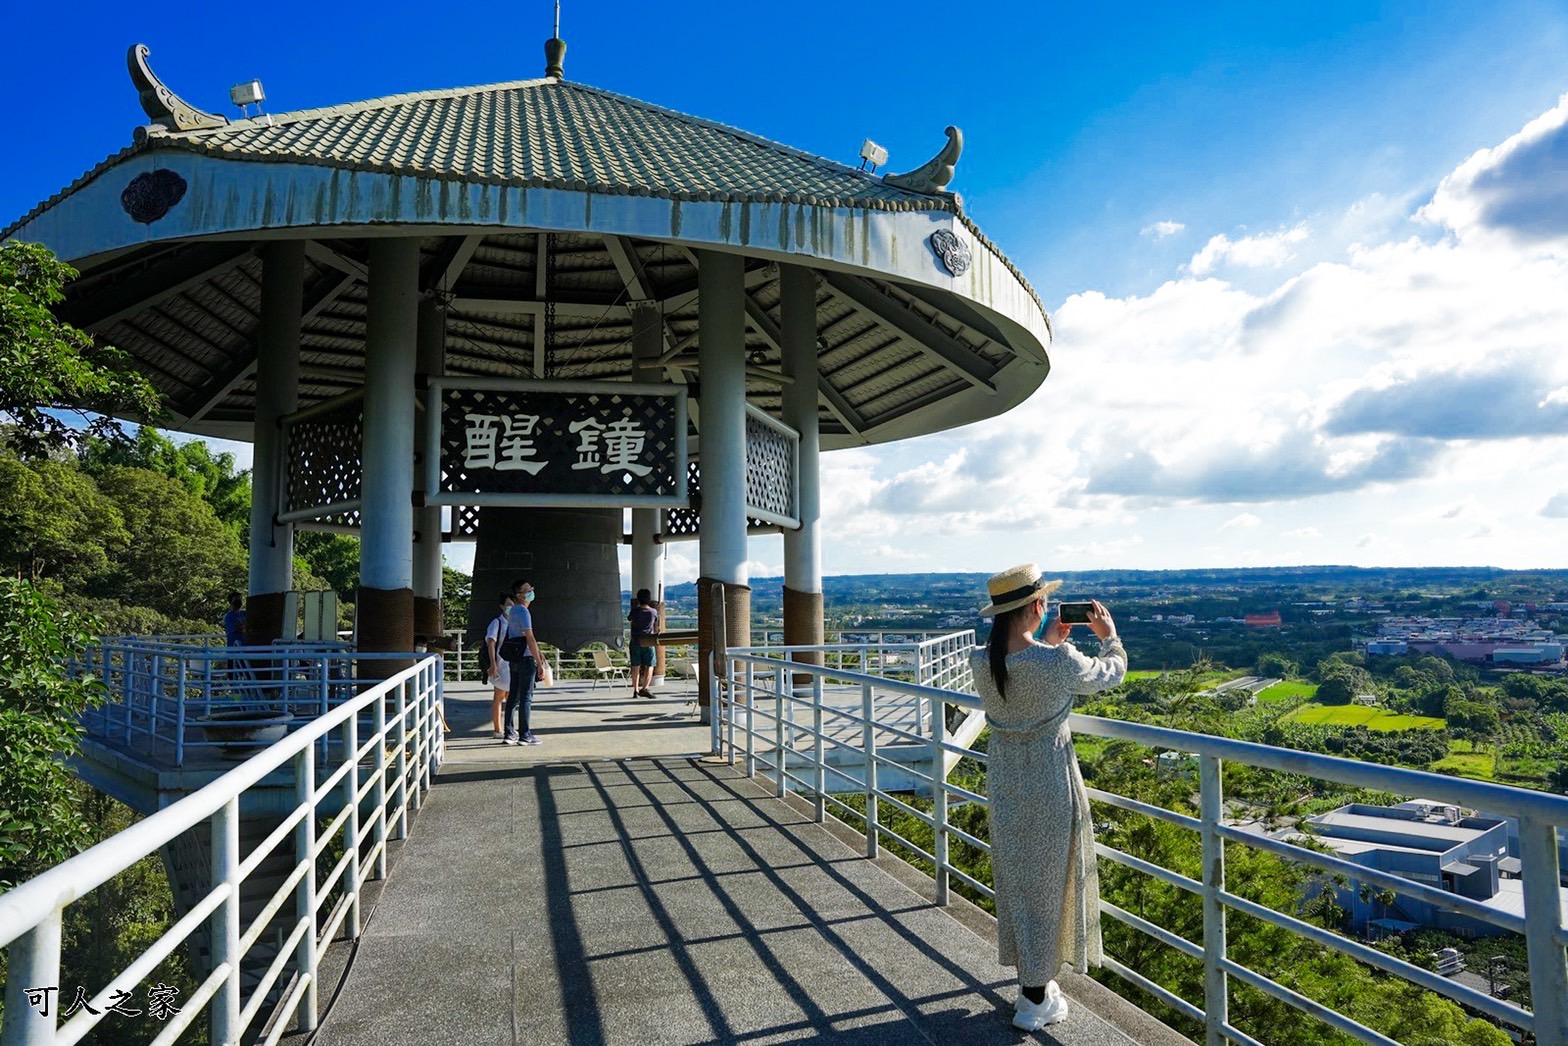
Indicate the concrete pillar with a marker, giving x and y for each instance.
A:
(802, 547)
(277, 394)
(386, 558)
(721, 365)
(430, 362)
(647, 563)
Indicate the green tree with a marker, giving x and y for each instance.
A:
(211, 477)
(332, 557)
(456, 593)
(41, 822)
(47, 366)
(182, 561)
(1276, 665)
(1342, 684)
(54, 522)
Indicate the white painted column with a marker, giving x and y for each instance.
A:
(430, 362)
(802, 547)
(647, 563)
(386, 558)
(277, 394)
(721, 366)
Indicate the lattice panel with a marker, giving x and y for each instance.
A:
(324, 461)
(686, 522)
(464, 524)
(770, 470)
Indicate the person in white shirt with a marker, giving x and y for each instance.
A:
(500, 672)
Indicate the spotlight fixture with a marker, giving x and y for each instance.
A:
(248, 94)
(872, 153)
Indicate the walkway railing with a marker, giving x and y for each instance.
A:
(354, 803)
(172, 696)
(772, 716)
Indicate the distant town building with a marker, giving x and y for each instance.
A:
(1499, 640)
(1437, 844)
(1269, 620)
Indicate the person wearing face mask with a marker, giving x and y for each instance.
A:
(500, 672)
(1042, 838)
(524, 662)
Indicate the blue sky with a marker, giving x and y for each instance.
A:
(1301, 316)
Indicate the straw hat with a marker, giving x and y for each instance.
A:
(1014, 587)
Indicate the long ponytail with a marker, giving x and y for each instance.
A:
(996, 647)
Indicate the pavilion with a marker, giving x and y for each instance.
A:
(507, 313)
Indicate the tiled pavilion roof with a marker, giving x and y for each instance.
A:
(187, 307)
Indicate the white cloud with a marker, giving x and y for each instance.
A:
(1362, 397)
(1160, 230)
(1098, 549)
(1515, 190)
(890, 552)
(1265, 251)
(1302, 532)
(757, 568)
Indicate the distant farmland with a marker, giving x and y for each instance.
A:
(1362, 715)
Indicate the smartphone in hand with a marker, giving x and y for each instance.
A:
(1074, 613)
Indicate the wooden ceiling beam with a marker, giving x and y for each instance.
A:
(443, 271)
(153, 285)
(960, 358)
(577, 310)
(320, 295)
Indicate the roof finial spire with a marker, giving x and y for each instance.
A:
(555, 49)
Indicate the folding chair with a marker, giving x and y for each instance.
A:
(607, 669)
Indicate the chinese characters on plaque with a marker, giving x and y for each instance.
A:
(560, 440)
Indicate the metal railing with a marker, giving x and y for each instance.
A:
(772, 716)
(388, 743)
(174, 696)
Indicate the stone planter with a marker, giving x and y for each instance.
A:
(244, 732)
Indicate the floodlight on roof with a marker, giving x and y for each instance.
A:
(247, 93)
(872, 153)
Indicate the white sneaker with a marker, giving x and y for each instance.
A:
(1028, 1016)
(499, 735)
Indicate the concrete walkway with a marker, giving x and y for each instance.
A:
(566, 893)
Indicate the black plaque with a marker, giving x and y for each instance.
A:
(547, 441)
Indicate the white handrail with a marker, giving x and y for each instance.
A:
(31, 914)
(757, 718)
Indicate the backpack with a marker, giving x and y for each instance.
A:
(486, 669)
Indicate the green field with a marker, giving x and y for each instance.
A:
(1466, 764)
(1288, 692)
(1362, 715)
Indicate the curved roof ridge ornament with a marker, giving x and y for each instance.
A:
(162, 105)
(933, 175)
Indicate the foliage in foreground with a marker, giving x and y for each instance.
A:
(47, 366)
(41, 823)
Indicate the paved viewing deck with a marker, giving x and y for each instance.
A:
(615, 885)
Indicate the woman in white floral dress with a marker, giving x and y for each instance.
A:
(1042, 839)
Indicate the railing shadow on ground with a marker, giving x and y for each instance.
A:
(771, 717)
(677, 813)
